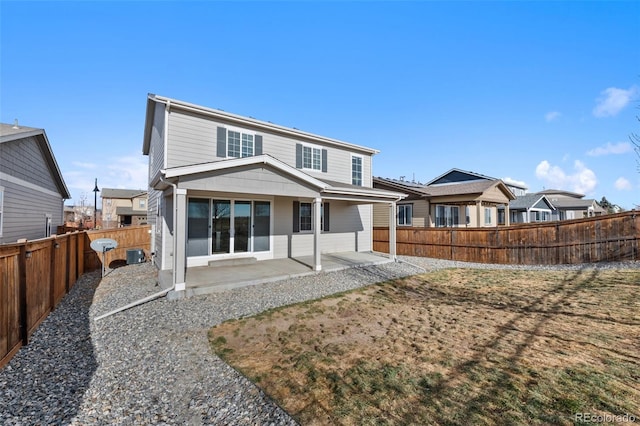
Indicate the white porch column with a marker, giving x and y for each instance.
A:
(392, 231)
(507, 215)
(180, 240)
(317, 262)
(479, 222)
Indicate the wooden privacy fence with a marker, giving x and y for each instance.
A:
(614, 237)
(36, 275)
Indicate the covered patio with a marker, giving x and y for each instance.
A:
(235, 273)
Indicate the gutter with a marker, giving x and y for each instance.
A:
(173, 285)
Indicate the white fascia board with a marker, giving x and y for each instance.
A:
(370, 193)
(174, 103)
(240, 162)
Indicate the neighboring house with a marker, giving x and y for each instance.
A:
(226, 186)
(32, 190)
(123, 207)
(530, 208)
(571, 205)
(456, 198)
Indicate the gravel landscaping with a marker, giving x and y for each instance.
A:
(152, 364)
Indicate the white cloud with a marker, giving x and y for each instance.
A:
(613, 100)
(583, 180)
(610, 148)
(511, 181)
(622, 184)
(126, 172)
(84, 165)
(552, 116)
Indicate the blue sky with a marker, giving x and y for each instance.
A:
(542, 93)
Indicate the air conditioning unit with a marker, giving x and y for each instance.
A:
(135, 256)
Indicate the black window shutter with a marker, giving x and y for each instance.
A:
(258, 145)
(222, 142)
(296, 216)
(298, 156)
(325, 219)
(324, 161)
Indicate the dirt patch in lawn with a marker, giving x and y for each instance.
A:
(456, 346)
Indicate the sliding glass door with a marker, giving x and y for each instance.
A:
(220, 226)
(261, 225)
(242, 226)
(227, 226)
(198, 227)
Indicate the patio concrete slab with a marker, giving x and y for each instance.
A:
(211, 279)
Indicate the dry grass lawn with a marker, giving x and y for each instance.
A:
(457, 346)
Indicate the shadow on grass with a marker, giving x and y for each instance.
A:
(504, 384)
(45, 381)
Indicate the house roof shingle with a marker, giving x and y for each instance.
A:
(122, 193)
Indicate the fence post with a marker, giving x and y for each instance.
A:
(67, 276)
(52, 275)
(22, 266)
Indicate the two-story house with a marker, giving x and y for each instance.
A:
(123, 207)
(225, 186)
(32, 190)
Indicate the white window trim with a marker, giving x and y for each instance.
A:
(449, 208)
(312, 147)
(48, 218)
(404, 207)
(361, 169)
(488, 210)
(242, 132)
(309, 231)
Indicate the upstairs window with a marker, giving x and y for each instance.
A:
(237, 144)
(311, 157)
(356, 170)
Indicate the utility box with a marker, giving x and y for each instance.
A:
(135, 256)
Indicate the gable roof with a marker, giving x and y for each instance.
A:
(10, 133)
(577, 204)
(457, 176)
(327, 187)
(154, 100)
(527, 201)
(477, 186)
(561, 192)
(122, 193)
(401, 185)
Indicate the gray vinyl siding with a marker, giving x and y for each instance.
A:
(25, 211)
(166, 246)
(193, 140)
(156, 150)
(349, 230)
(154, 200)
(24, 160)
(258, 180)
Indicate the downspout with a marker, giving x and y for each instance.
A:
(173, 284)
